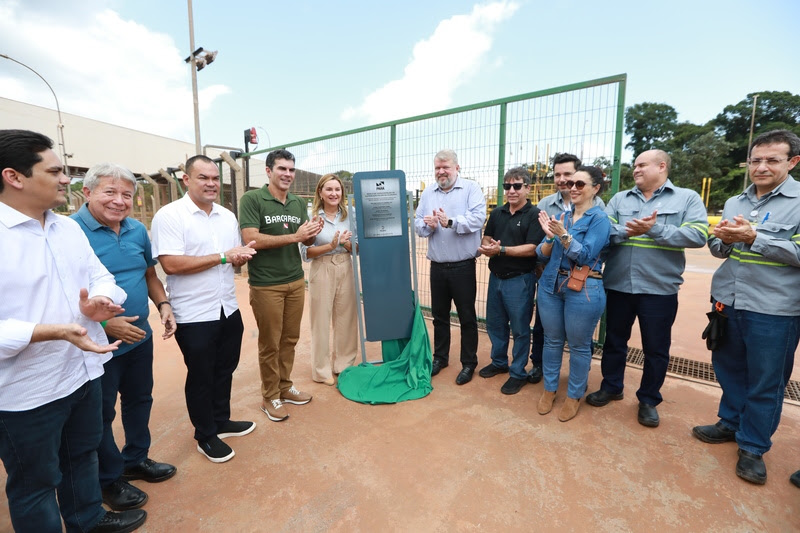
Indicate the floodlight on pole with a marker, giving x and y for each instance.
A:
(60, 128)
(198, 60)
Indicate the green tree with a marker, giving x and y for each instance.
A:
(774, 110)
(650, 125)
(705, 156)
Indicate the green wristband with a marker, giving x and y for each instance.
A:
(103, 323)
(222, 258)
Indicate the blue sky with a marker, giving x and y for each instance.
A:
(305, 68)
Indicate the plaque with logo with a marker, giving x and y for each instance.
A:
(382, 209)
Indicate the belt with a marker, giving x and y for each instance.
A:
(509, 275)
(455, 264)
(592, 273)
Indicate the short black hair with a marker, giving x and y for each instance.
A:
(596, 174)
(192, 161)
(567, 158)
(779, 137)
(21, 150)
(278, 154)
(518, 173)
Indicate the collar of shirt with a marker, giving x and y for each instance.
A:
(507, 208)
(88, 218)
(788, 187)
(10, 217)
(336, 217)
(456, 185)
(667, 185)
(194, 208)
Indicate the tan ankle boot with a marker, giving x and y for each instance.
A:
(546, 402)
(569, 409)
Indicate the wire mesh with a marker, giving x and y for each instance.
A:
(489, 138)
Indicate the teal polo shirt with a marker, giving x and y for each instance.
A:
(127, 256)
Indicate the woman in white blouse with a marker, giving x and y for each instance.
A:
(330, 284)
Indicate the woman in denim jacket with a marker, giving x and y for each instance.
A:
(575, 239)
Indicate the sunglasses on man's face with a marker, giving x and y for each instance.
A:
(517, 186)
(577, 184)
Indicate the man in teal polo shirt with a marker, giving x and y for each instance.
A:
(122, 245)
(277, 221)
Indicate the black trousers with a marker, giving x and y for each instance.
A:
(454, 282)
(211, 353)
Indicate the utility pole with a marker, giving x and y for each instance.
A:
(197, 144)
(750, 141)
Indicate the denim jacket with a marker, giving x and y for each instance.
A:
(590, 235)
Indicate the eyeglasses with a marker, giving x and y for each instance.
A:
(517, 186)
(769, 162)
(577, 184)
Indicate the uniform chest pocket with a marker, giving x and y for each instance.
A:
(779, 231)
(670, 217)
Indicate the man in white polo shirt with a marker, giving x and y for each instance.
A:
(197, 242)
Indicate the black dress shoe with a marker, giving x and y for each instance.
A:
(648, 416)
(120, 522)
(750, 467)
(437, 366)
(150, 471)
(490, 371)
(122, 496)
(513, 385)
(795, 479)
(535, 375)
(602, 397)
(715, 434)
(465, 376)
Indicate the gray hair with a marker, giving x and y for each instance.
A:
(108, 170)
(446, 155)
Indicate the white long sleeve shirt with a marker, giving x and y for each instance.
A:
(42, 272)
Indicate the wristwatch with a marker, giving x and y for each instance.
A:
(565, 239)
(449, 222)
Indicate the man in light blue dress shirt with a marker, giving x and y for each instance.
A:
(450, 215)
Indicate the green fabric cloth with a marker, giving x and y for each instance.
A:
(404, 375)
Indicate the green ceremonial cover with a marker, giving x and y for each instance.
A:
(404, 375)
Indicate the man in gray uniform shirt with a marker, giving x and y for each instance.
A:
(757, 287)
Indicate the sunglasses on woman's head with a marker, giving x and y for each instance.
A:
(517, 186)
(577, 184)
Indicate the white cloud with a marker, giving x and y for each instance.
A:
(440, 64)
(101, 67)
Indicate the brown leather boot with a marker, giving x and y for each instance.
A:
(546, 402)
(569, 409)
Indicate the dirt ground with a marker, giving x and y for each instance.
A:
(465, 458)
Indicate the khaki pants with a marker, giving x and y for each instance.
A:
(332, 300)
(278, 310)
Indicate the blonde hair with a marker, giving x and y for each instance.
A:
(317, 204)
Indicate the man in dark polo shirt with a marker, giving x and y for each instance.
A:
(510, 241)
(277, 220)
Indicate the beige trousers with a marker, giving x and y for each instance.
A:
(333, 302)
(278, 310)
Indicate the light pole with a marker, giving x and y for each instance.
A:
(64, 154)
(198, 59)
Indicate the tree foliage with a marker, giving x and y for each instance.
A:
(650, 126)
(713, 150)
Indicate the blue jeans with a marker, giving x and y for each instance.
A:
(130, 375)
(53, 448)
(656, 314)
(570, 316)
(510, 301)
(753, 367)
(537, 337)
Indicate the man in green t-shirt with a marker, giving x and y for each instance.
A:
(277, 220)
